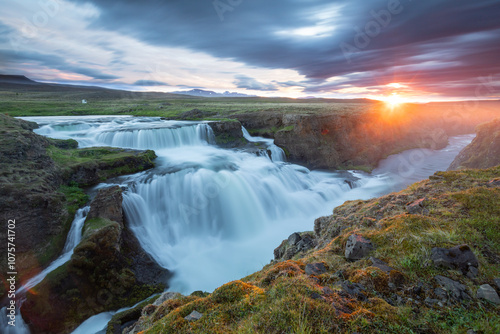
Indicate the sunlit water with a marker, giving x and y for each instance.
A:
(212, 215)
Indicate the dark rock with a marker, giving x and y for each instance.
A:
(497, 282)
(355, 289)
(430, 302)
(107, 205)
(305, 244)
(440, 293)
(473, 272)
(327, 291)
(381, 265)
(295, 244)
(486, 292)
(417, 207)
(454, 289)
(294, 238)
(459, 257)
(315, 268)
(193, 316)
(357, 247)
(228, 134)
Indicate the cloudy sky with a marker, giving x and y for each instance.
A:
(417, 49)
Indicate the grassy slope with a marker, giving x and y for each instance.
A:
(281, 298)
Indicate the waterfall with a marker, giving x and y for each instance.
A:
(277, 154)
(72, 240)
(212, 215)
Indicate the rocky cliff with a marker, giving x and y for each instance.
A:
(40, 182)
(108, 270)
(484, 151)
(424, 260)
(361, 137)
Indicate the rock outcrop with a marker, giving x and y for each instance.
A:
(108, 270)
(228, 134)
(360, 135)
(39, 182)
(484, 151)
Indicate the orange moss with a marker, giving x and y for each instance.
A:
(287, 269)
(234, 291)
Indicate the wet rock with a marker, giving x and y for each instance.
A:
(459, 257)
(107, 205)
(228, 134)
(381, 265)
(486, 292)
(417, 207)
(315, 268)
(357, 247)
(193, 316)
(454, 289)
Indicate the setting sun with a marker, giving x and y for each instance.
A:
(394, 100)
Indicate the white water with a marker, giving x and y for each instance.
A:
(212, 215)
(277, 154)
(72, 240)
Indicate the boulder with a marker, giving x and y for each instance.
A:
(315, 268)
(459, 257)
(193, 316)
(295, 244)
(486, 292)
(454, 290)
(357, 247)
(294, 238)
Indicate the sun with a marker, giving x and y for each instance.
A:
(394, 100)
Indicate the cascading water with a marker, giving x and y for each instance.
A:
(72, 240)
(208, 214)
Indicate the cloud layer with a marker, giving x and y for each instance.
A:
(441, 48)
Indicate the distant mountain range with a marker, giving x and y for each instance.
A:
(209, 93)
(17, 79)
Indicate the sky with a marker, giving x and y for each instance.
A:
(414, 50)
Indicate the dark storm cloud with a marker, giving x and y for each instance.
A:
(243, 81)
(53, 62)
(150, 83)
(258, 32)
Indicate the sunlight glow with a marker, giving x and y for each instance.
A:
(394, 100)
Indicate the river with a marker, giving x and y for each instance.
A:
(212, 215)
